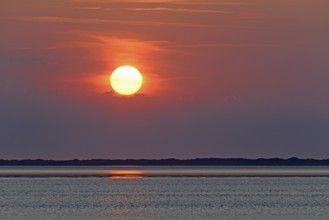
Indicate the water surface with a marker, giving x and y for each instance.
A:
(299, 195)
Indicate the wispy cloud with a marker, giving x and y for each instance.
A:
(55, 19)
(176, 2)
(180, 10)
(158, 8)
(91, 8)
(233, 45)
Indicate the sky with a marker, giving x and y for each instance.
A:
(222, 78)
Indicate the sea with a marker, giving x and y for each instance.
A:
(164, 192)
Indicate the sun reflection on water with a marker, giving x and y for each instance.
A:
(125, 174)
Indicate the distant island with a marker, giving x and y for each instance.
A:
(294, 161)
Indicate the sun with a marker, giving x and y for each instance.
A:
(126, 80)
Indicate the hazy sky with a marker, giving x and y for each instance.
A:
(223, 78)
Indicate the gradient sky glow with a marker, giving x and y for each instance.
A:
(236, 78)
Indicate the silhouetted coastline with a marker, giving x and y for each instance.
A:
(171, 162)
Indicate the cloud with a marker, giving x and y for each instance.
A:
(109, 52)
(169, 9)
(175, 2)
(234, 45)
(180, 10)
(92, 21)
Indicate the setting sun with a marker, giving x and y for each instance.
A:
(126, 80)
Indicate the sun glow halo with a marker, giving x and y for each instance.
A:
(126, 80)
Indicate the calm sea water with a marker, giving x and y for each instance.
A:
(164, 193)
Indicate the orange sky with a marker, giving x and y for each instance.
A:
(255, 72)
